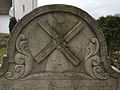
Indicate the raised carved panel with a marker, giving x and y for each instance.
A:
(57, 47)
(63, 49)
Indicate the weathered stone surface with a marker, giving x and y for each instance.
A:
(57, 47)
(59, 85)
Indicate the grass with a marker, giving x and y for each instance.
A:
(3, 51)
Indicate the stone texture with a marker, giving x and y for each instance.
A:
(57, 47)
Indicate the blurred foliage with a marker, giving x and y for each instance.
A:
(12, 23)
(3, 40)
(3, 51)
(111, 29)
(3, 44)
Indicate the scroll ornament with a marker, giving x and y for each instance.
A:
(92, 61)
(23, 60)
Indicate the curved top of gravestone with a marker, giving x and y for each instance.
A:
(55, 40)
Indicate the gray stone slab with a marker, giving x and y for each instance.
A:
(57, 47)
(118, 84)
(58, 85)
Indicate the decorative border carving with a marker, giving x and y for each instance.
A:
(92, 61)
(23, 59)
(70, 9)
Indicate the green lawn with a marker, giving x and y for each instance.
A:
(3, 51)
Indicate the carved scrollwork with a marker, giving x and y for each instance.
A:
(92, 61)
(23, 59)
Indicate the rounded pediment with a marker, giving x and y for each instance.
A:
(58, 38)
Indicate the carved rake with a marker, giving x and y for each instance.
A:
(58, 42)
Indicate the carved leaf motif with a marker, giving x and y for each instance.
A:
(92, 61)
(22, 45)
(23, 59)
(20, 58)
(19, 70)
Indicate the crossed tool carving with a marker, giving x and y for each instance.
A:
(58, 42)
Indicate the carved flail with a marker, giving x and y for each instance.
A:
(57, 42)
(92, 61)
(44, 24)
(45, 52)
(74, 31)
(23, 59)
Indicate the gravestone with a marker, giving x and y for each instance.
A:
(57, 47)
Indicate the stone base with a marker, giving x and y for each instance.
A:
(58, 85)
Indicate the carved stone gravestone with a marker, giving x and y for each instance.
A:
(57, 47)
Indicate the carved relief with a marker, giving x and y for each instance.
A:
(23, 59)
(64, 44)
(57, 62)
(57, 47)
(59, 42)
(92, 61)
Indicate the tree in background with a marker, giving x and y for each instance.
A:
(111, 29)
(12, 23)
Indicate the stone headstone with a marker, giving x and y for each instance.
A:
(57, 47)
